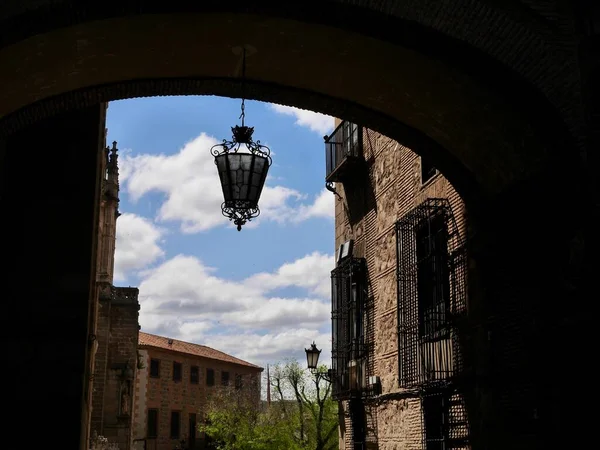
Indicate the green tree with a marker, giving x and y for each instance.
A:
(306, 406)
(235, 421)
(302, 415)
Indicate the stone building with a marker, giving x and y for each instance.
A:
(173, 382)
(399, 293)
(114, 323)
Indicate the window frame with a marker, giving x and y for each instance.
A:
(225, 378)
(172, 422)
(210, 376)
(427, 170)
(178, 365)
(148, 434)
(157, 361)
(194, 370)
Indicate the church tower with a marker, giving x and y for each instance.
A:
(109, 212)
(116, 324)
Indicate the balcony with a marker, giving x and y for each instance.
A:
(343, 152)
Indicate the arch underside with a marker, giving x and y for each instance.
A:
(480, 137)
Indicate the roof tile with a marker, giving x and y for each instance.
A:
(151, 340)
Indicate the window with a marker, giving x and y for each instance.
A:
(435, 421)
(428, 171)
(433, 281)
(349, 351)
(238, 381)
(431, 293)
(175, 424)
(176, 371)
(358, 420)
(152, 426)
(194, 374)
(210, 377)
(154, 368)
(225, 378)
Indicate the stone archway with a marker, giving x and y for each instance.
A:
(489, 90)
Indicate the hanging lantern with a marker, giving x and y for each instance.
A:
(243, 166)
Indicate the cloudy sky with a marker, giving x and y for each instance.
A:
(261, 294)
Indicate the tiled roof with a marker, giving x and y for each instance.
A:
(151, 340)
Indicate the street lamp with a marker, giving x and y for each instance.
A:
(243, 165)
(312, 356)
(312, 361)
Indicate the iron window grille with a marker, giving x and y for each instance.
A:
(444, 420)
(349, 349)
(225, 378)
(431, 294)
(343, 148)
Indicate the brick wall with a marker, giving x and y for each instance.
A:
(368, 216)
(166, 395)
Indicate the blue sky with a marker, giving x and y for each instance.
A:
(261, 294)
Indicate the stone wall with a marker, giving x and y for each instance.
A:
(166, 395)
(367, 213)
(116, 365)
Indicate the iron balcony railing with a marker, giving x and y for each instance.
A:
(343, 150)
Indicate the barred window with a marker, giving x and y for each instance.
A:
(348, 284)
(431, 293)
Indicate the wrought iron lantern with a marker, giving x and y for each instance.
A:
(243, 165)
(312, 356)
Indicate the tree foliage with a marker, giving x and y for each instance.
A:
(301, 416)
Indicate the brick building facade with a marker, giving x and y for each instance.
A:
(173, 382)
(398, 284)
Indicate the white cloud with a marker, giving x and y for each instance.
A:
(273, 347)
(191, 184)
(312, 272)
(323, 206)
(185, 299)
(317, 122)
(137, 244)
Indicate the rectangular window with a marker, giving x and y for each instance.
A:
(349, 349)
(238, 381)
(210, 377)
(435, 418)
(176, 371)
(428, 170)
(154, 368)
(194, 374)
(431, 293)
(152, 426)
(225, 378)
(358, 420)
(433, 280)
(175, 424)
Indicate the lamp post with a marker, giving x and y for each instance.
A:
(312, 361)
(243, 165)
